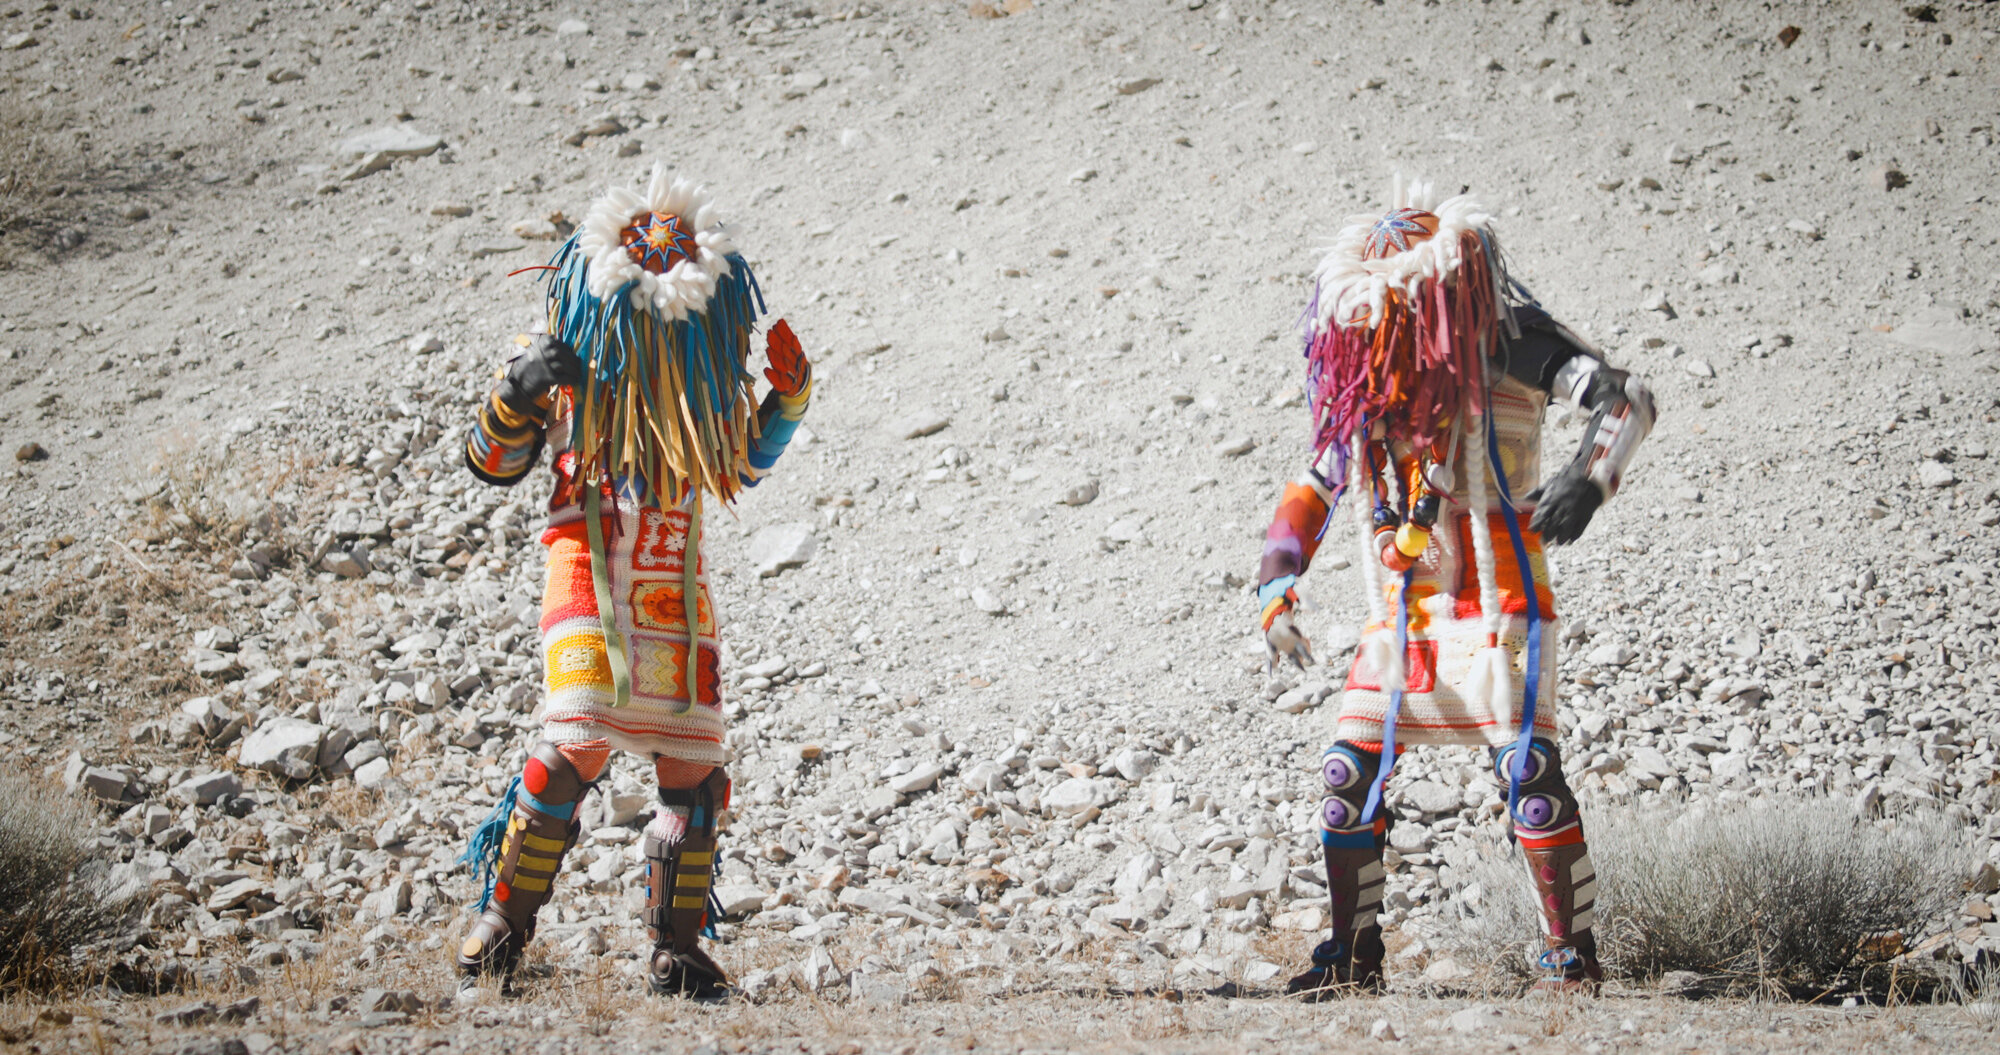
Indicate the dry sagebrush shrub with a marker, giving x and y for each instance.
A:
(1796, 894)
(56, 895)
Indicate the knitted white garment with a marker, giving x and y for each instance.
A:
(1442, 699)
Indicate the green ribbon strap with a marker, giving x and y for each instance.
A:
(600, 578)
(691, 598)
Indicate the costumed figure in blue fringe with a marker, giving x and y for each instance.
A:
(642, 386)
(1428, 370)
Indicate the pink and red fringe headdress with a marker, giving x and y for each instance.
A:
(1404, 311)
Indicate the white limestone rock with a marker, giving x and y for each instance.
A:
(395, 141)
(781, 546)
(288, 747)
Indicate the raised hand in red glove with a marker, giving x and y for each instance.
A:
(789, 372)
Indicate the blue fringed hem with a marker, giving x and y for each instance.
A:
(482, 852)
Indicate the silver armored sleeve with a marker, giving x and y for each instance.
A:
(1622, 416)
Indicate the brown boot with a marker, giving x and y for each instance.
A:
(1566, 892)
(539, 828)
(680, 867)
(1551, 834)
(1351, 959)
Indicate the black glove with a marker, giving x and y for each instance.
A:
(1564, 505)
(545, 363)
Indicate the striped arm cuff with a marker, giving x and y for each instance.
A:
(503, 444)
(780, 417)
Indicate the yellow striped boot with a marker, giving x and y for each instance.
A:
(680, 867)
(541, 829)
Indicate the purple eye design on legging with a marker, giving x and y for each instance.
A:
(1339, 771)
(1537, 811)
(1503, 764)
(1336, 813)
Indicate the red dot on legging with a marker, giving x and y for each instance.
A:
(502, 891)
(535, 776)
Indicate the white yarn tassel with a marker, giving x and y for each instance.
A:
(1489, 684)
(1364, 509)
(1476, 470)
(1383, 655)
(669, 824)
(1380, 648)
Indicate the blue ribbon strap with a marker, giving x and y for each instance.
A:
(1395, 702)
(1531, 680)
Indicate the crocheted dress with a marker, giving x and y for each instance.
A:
(1446, 624)
(644, 551)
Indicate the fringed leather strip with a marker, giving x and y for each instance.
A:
(664, 400)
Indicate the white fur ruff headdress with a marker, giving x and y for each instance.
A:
(667, 244)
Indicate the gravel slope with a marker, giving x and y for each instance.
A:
(1011, 711)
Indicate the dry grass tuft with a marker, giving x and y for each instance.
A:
(213, 507)
(58, 195)
(1800, 897)
(57, 898)
(214, 493)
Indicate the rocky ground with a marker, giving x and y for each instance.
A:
(1001, 719)
(597, 1020)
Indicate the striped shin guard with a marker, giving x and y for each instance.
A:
(541, 828)
(680, 869)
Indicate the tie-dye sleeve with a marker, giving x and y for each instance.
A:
(1291, 540)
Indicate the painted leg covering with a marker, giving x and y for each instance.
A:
(1551, 835)
(541, 828)
(680, 866)
(1352, 956)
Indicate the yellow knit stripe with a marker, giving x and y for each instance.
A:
(691, 880)
(530, 883)
(506, 415)
(698, 857)
(690, 902)
(536, 842)
(537, 863)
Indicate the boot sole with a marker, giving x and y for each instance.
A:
(705, 993)
(1566, 987)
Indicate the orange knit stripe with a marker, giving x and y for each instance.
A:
(587, 756)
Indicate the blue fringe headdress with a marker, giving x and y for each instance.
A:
(652, 295)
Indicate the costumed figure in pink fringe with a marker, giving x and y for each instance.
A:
(1429, 369)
